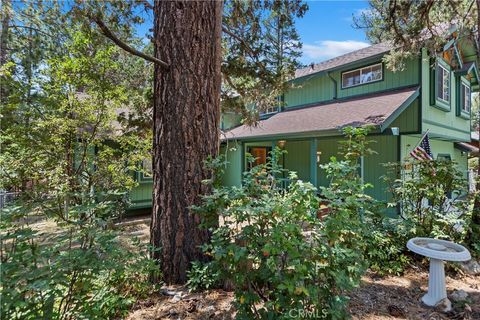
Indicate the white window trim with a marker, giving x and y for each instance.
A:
(444, 70)
(361, 83)
(277, 109)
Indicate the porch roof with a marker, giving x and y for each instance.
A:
(378, 109)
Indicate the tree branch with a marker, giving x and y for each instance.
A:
(145, 3)
(109, 34)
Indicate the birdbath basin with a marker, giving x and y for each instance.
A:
(438, 251)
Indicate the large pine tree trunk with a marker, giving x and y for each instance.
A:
(186, 127)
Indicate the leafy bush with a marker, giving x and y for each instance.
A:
(80, 272)
(279, 256)
(432, 199)
(386, 245)
(202, 276)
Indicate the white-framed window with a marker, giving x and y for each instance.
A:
(363, 75)
(443, 83)
(465, 97)
(270, 110)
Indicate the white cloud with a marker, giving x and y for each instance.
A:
(327, 49)
(366, 11)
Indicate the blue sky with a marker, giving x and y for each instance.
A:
(326, 29)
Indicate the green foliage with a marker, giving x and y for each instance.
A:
(262, 48)
(69, 149)
(386, 245)
(202, 276)
(279, 256)
(79, 271)
(432, 197)
(413, 25)
(421, 190)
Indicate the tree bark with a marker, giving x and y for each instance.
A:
(186, 128)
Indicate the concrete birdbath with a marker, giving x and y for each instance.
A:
(438, 251)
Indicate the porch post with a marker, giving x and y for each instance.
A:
(313, 161)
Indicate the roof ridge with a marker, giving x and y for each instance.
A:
(353, 52)
(344, 59)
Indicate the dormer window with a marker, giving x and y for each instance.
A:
(465, 97)
(363, 75)
(443, 83)
(270, 111)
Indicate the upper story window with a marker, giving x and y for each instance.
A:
(270, 110)
(362, 75)
(465, 97)
(443, 83)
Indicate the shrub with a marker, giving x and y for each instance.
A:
(271, 246)
(80, 272)
(202, 276)
(432, 200)
(432, 197)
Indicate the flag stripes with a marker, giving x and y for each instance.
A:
(422, 152)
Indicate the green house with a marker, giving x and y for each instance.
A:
(431, 93)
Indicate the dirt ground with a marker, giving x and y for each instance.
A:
(395, 297)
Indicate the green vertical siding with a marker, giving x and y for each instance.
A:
(329, 148)
(387, 150)
(408, 121)
(233, 172)
(308, 90)
(141, 195)
(319, 87)
(297, 158)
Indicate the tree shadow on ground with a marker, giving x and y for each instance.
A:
(397, 297)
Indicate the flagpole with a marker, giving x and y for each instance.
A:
(421, 139)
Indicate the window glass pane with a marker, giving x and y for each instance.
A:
(363, 75)
(465, 94)
(377, 72)
(439, 83)
(270, 110)
(446, 86)
(351, 78)
(443, 84)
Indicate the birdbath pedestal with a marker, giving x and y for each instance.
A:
(438, 251)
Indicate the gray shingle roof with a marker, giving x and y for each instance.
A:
(347, 58)
(373, 109)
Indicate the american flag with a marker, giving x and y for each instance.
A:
(422, 152)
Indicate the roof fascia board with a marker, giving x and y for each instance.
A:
(399, 110)
(473, 68)
(297, 135)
